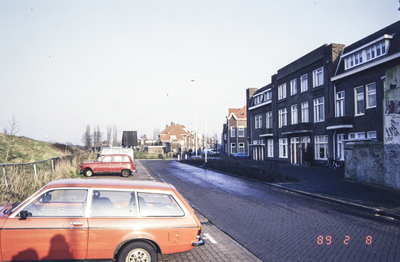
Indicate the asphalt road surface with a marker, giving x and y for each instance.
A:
(273, 224)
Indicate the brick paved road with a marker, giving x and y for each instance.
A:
(277, 225)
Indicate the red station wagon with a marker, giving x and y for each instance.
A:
(113, 163)
(99, 219)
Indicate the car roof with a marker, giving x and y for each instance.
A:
(110, 183)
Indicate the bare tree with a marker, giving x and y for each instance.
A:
(109, 130)
(12, 128)
(87, 138)
(115, 136)
(97, 137)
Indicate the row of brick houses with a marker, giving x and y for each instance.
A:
(322, 103)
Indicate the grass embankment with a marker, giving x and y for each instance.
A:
(24, 150)
(21, 179)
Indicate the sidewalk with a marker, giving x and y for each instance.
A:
(330, 185)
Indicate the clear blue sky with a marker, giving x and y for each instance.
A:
(68, 63)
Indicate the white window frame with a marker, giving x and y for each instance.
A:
(293, 87)
(233, 131)
(372, 134)
(305, 114)
(270, 148)
(241, 131)
(268, 96)
(282, 91)
(294, 117)
(233, 148)
(340, 104)
(357, 135)
(241, 148)
(319, 110)
(282, 117)
(359, 108)
(304, 83)
(370, 93)
(268, 119)
(283, 148)
(321, 143)
(318, 77)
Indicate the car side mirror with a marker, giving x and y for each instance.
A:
(24, 214)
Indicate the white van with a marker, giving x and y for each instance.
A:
(117, 150)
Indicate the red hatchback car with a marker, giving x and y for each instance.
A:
(99, 219)
(113, 163)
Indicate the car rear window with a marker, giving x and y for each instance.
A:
(159, 205)
(113, 204)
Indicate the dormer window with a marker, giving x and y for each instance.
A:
(368, 52)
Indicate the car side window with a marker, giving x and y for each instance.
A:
(158, 205)
(126, 159)
(59, 203)
(107, 203)
(106, 159)
(117, 158)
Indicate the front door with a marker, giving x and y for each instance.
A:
(57, 228)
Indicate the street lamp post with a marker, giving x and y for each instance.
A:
(205, 112)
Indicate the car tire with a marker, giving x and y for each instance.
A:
(125, 173)
(88, 172)
(138, 251)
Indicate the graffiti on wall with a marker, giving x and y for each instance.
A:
(392, 106)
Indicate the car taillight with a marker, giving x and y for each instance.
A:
(199, 232)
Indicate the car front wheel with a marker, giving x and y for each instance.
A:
(138, 251)
(88, 172)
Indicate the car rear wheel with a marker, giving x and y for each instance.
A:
(88, 172)
(138, 251)
(125, 173)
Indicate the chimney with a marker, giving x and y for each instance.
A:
(145, 138)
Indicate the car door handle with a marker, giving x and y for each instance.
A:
(76, 223)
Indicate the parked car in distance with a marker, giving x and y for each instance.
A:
(114, 163)
(99, 219)
(240, 155)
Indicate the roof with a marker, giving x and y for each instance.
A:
(238, 113)
(110, 183)
(176, 130)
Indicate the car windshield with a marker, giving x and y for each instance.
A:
(17, 204)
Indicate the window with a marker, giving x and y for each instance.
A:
(241, 148)
(241, 131)
(283, 145)
(304, 83)
(293, 87)
(359, 135)
(319, 114)
(372, 135)
(371, 95)
(107, 203)
(268, 120)
(59, 203)
(158, 205)
(233, 131)
(321, 147)
(318, 77)
(258, 121)
(281, 91)
(359, 101)
(304, 113)
(258, 99)
(270, 148)
(233, 148)
(106, 159)
(268, 96)
(339, 104)
(282, 117)
(294, 115)
(117, 159)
